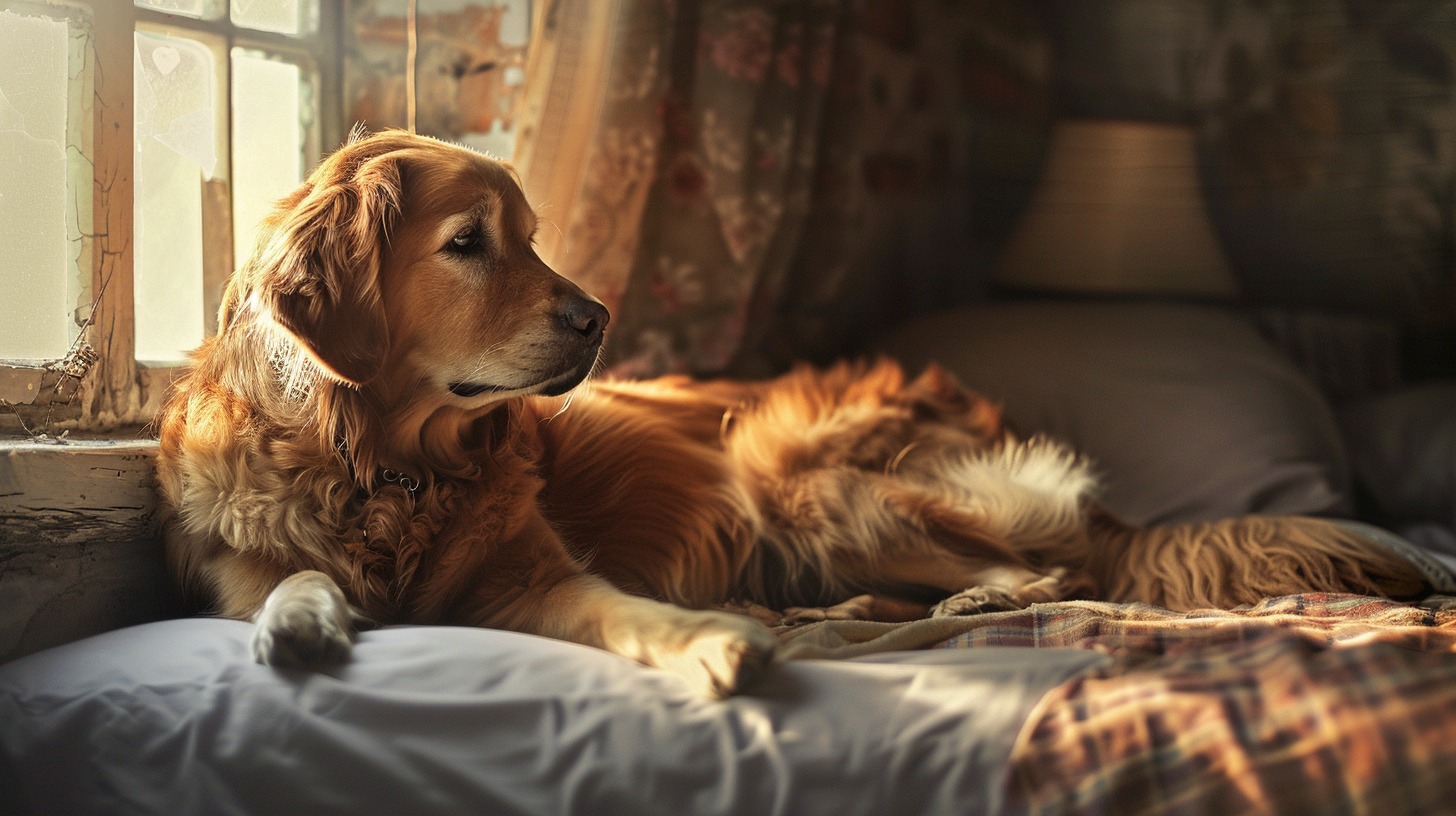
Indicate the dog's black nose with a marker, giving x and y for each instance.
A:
(585, 317)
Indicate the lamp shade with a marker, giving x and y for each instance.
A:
(1119, 209)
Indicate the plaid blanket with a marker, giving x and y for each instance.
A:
(1326, 704)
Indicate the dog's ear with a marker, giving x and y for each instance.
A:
(317, 270)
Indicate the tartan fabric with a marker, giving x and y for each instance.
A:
(1328, 704)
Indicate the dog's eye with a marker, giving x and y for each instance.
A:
(465, 242)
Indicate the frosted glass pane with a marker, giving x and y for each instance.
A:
(293, 17)
(200, 9)
(34, 267)
(176, 149)
(269, 129)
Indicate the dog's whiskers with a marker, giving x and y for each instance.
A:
(566, 403)
(599, 365)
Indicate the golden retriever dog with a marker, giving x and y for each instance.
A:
(387, 428)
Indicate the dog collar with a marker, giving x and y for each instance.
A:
(409, 482)
(399, 477)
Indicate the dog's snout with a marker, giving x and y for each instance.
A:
(585, 317)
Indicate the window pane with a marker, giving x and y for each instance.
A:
(200, 9)
(37, 209)
(295, 17)
(176, 151)
(272, 115)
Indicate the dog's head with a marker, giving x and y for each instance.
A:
(408, 260)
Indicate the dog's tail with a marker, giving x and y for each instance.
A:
(1223, 564)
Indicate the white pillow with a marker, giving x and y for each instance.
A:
(175, 717)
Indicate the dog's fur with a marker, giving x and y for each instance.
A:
(380, 431)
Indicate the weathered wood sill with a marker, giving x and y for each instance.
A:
(78, 551)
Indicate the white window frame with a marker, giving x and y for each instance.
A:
(118, 390)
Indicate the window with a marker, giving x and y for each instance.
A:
(45, 187)
(199, 113)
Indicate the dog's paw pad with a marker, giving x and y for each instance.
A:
(975, 601)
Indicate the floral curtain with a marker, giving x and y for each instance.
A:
(755, 170)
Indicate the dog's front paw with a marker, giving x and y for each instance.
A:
(306, 624)
(717, 654)
(300, 638)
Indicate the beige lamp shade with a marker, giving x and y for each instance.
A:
(1119, 209)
